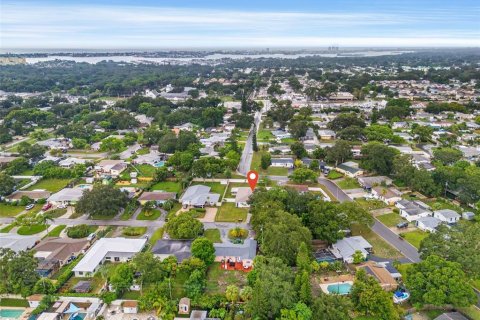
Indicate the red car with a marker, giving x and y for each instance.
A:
(46, 206)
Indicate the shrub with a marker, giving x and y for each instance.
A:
(237, 233)
(80, 231)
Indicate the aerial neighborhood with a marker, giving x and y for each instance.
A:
(125, 193)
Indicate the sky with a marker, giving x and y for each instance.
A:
(169, 24)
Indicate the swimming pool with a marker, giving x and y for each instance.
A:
(79, 316)
(84, 186)
(10, 313)
(339, 288)
(160, 164)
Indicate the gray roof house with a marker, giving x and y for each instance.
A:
(247, 250)
(181, 249)
(446, 215)
(17, 242)
(346, 247)
(199, 196)
(451, 316)
(429, 224)
(66, 196)
(349, 169)
(413, 210)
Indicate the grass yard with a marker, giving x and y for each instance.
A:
(7, 228)
(288, 140)
(131, 295)
(33, 229)
(57, 213)
(134, 231)
(168, 186)
(264, 135)
(380, 247)
(146, 170)
(415, 237)
(218, 280)
(348, 183)
(12, 302)
(178, 284)
(52, 185)
(96, 283)
(371, 204)
(277, 171)
(55, 232)
(472, 312)
(390, 219)
(216, 187)
(157, 235)
(232, 185)
(334, 175)
(213, 235)
(7, 211)
(440, 204)
(229, 213)
(153, 215)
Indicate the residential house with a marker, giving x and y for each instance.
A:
(387, 195)
(199, 196)
(67, 196)
(17, 242)
(34, 300)
(281, 134)
(108, 249)
(283, 149)
(341, 96)
(130, 306)
(451, 316)
(56, 143)
(71, 162)
(242, 196)
(347, 247)
(429, 224)
(327, 134)
(350, 169)
(282, 162)
(181, 249)
(370, 182)
(236, 255)
(184, 306)
(413, 210)
(380, 273)
(53, 253)
(447, 215)
(111, 168)
(159, 197)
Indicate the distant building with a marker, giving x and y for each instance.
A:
(282, 162)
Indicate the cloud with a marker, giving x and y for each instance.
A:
(26, 25)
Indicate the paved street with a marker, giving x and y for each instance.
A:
(409, 251)
(335, 190)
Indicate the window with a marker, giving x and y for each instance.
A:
(80, 272)
(116, 259)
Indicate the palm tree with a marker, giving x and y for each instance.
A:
(44, 219)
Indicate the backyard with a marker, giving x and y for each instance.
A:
(415, 237)
(229, 213)
(216, 187)
(213, 235)
(348, 183)
(52, 185)
(168, 186)
(390, 219)
(218, 280)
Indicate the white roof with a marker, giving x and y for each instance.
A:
(67, 194)
(347, 246)
(447, 213)
(48, 316)
(17, 242)
(104, 246)
(243, 194)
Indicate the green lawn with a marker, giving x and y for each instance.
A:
(348, 183)
(168, 186)
(178, 284)
(229, 213)
(277, 171)
(390, 219)
(213, 235)
(12, 302)
(232, 185)
(143, 151)
(29, 230)
(57, 213)
(372, 204)
(146, 170)
(52, 185)
(154, 215)
(415, 237)
(7, 228)
(218, 280)
(332, 174)
(10, 211)
(264, 135)
(55, 232)
(157, 235)
(134, 231)
(131, 295)
(472, 312)
(288, 140)
(216, 187)
(380, 247)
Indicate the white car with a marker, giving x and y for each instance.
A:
(30, 206)
(61, 206)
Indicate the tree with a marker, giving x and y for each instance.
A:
(370, 299)
(102, 200)
(151, 269)
(332, 307)
(325, 221)
(232, 293)
(184, 226)
(17, 166)
(112, 144)
(298, 128)
(44, 286)
(246, 293)
(345, 120)
(303, 286)
(300, 311)
(301, 175)
(18, 270)
(273, 288)
(195, 284)
(423, 133)
(44, 218)
(303, 261)
(265, 161)
(339, 153)
(254, 140)
(79, 143)
(203, 249)
(7, 184)
(352, 133)
(439, 282)
(122, 278)
(447, 156)
(357, 257)
(298, 150)
(378, 157)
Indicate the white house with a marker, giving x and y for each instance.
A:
(67, 196)
(111, 167)
(282, 162)
(326, 134)
(242, 196)
(130, 306)
(199, 196)
(446, 215)
(108, 249)
(350, 169)
(387, 195)
(347, 247)
(428, 224)
(413, 210)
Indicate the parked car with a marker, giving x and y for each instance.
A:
(402, 225)
(30, 206)
(91, 236)
(46, 206)
(61, 206)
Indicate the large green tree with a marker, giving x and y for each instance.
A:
(332, 307)
(18, 270)
(184, 226)
(378, 158)
(203, 249)
(102, 200)
(7, 184)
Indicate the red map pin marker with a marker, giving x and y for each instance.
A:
(252, 177)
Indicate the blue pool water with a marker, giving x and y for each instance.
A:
(79, 316)
(339, 288)
(160, 164)
(10, 313)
